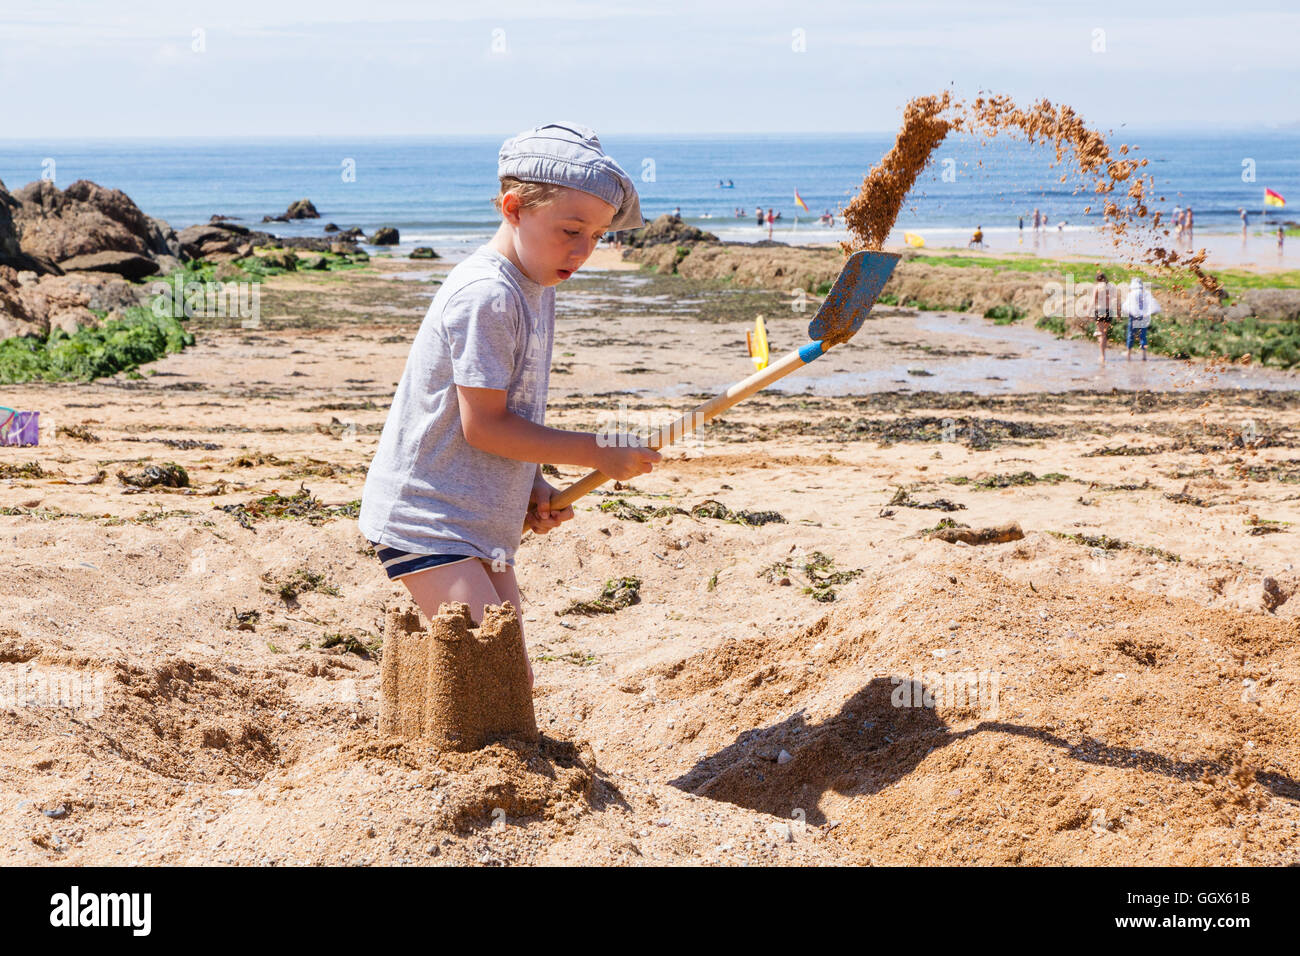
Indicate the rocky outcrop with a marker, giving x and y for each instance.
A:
(384, 236)
(664, 230)
(215, 239)
(32, 305)
(424, 252)
(83, 219)
(300, 209)
(129, 265)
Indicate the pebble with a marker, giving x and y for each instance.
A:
(784, 757)
(57, 813)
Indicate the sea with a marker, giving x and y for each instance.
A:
(437, 190)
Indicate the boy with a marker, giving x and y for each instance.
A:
(457, 474)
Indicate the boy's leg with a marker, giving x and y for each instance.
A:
(463, 581)
(508, 589)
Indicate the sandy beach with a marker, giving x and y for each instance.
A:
(1133, 656)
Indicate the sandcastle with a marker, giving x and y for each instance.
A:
(455, 684)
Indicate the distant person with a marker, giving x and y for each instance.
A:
(1139, 306)
(1187, 223)
(1281, 234)
(719, 183)
(1022, 228)
(1037, 220)
(1105, 306)
(730, 184)
(1245, 221)
(677, 211)
(759, 213)
(771, 221)
(1178, 222)
(977, 240)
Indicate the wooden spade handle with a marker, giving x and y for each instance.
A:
(667, 434)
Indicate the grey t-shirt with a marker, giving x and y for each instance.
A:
(428, 490)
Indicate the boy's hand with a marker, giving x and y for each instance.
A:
(540, 518)
(622, 463)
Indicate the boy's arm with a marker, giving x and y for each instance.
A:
(490, 426)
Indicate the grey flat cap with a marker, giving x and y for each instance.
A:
(566, 154)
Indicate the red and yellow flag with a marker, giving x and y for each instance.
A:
(799, 201)
(1273, 199)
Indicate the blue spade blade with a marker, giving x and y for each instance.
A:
(852, 296)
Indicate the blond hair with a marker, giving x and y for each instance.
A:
(530, 194)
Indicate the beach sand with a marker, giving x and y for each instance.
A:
(1136, 654)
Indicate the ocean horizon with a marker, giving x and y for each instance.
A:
(436, 190)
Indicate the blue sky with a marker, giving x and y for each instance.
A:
(323, 67)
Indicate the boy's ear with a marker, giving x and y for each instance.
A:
(510, 207)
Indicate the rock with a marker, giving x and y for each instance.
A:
(85, 218)
(424, 252)
(8, 232)
(299, 209)
(342, 248)
(313, 262)
(667, 229)
(995, 535)
(309, 243)
(384, 236)
(330, 227)
(302, 209)
(354, 233)
(280, 259)
(784, 757)
(126, 264)
(201, 241)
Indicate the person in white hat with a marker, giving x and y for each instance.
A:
(1139, 305)
(457, 473)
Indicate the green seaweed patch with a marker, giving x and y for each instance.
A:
(903, 499)
(626, 510)
(299, 581)
(1010, 480)
(1122, 451)
(716, 509)
(617, 594)
(32, 469)
(1106, 543)
(121, 345)
(302, 505)
(818, 568)
(360, 643)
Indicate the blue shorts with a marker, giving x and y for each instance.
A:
(1141, 334)
(398, 564)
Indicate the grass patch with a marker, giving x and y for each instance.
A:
(1272, 344)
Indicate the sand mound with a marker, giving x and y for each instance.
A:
(1061, 729)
